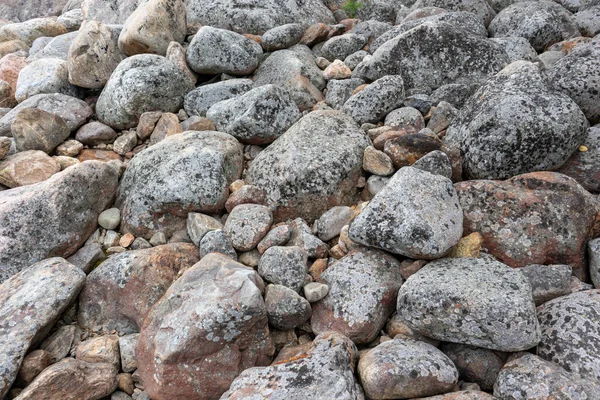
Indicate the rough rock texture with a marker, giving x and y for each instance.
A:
(417, 214)
(23, 10)
(256, 17)
(141, 83)
(434, 54)
(494, 303)
(578, 76)
(376, 100)
(47, 75)
(257, 117)
(543, 23)
(30, 303)
(537, 218)
(481, 8)
(405, 368)
(515, 124)
(286, 309)
(594, 261)
(36, 129)
(282, 37)
(363, 287)
(247, 224)
(474, 364)
(120, 292)
(325, 370)
(109, 11)
(33, 228)
(584, 166)
(27, 168)
(548, 281)
(284, 266)
(207, 328)
(312, 167)
(187, 172)
(10, 67)
(201, 99)
(571, 333)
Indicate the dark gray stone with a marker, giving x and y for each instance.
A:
(340, 90)
(217, 241)
(584, 166)
(453, 93)
(376, 100)
(332, 221)
(286, 266)
(588, 21)
(474, 364)
(286, 309)
(340, 47)
(548, 281)
(436, 162)
(593, 251)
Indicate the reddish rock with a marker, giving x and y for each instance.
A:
(381, 139)
(33, 363)
(247, 194)
(26, 168)
(406, 150)
(462, 395)
(99, 155)
(207, 328)
(314, 34)
(101, 349)
(120, 292)
(535, 218)
(10, 66)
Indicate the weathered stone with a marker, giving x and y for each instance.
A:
(494, 303)
(315, 291)
(27, 168)
(548, 281)
(21, 10)
(95, 133)
(406, 149)
(330, 224)
(247, 224)
(33, 363)
(217, 241)
(44, 76)
(32, 29)
(152, 195)
(199, 225)
(58, 345)
(53, 228)
(482, 9)
(101, 349)
(436, 162)
(247, 194)
(584, 165)
(284, 266)
(10, 67)
(69, 148)
(277, 236)
(36, 129)
(474, 364)
(57, 47)
(376, 100)
(286, 309)
(30, 303)
(340, 47)
(109, 11)
(127, 344)
(302, 236)
(363, 287)
(588, 21)
(282, 37)
(517, 48)
(212, 315)
(199, 100)
(339, 91)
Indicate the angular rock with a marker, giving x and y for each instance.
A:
(27, 168)
(188, 172)
(201, 99)
(207, 328)
(58, 345)
(339, 91)
(363, 287)
(494, 303)
(286, 309)
(548, 281)
(199, 225)
(405, 368)
(277, 236)
(85, 190)
(302, 236)
(127, 345)
(286, 266)
(247, 224)
(417, 214)
(34, 363)
(247, 194)
(36, 129)
(376, 100)
(101, 349)
(312, 167)
(141, 83)
(515, 124)
(30, 303)
(217, 241)
(257, 117)
(436, 162)
(44, 76)
(538, 218)
(474, 364)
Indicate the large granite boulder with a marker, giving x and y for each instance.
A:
(584, 166)
(201, 99)
(481, 8)
(515, 124)
(207, 328)
(187, 172)
(23, 10)
(312, 167)
(109, 11)
(33, 227)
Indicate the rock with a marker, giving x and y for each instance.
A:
(247, 224)
(215, 51)
(200, 329)
(201, 99)
(258, 18)
(537, 218)
(199, 225)
(30, 303)
(301, 236)
(330, 224)
(435, 162)
(85, 189)
(5, 145)
(277, 236)
(109, 219)
(339, 91)
(34, 363)
(196, 123)
(570, 333)
(406, 368)
(282, 37)
(10, 67)
(247, 194)
(593, 251)
(462, 395)
(44, 76)
(109, 11)
(284, 266)
(527, 376)
(584, 166)
(296, 71)
(71, 379)
(152, 26)
(511, 103)
(315, 291)
(27, 168)
(410, 200)
(362, 292)
(95, 133)
(100, 155)
(127, 346)
(548, 281)
(495, 300)
(326, 368)
(376, 100)
(453, 93)
(407, 118)
(217, 241)
(577, 75)
(31, 29)
(340, 47)
(481, 9)
(69, 148)
(377, 162)
(74, 111)
(101, 349)
(517, 48)
(257, 117)
(214, 159)
(48, 47)
(587, 21)
(36, 129)
(427, 62)
(321, 156)
(474, 364)
(141, 83)
(543, 23)
(20, 10)
(93, 55)
(167, 125)
(58, 345)
(286, 309)
(441, 117)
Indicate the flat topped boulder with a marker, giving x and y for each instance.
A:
(312, 167)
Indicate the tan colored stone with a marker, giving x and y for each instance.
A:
(409, 267)
(70, 148)
(12, 46)
(337, 70)
(36, 129)
(176, 53)
(100, 155)
(314, 34)
(167, 125)
(102, 349)
(196, 123)
(125, 383)
(26, 168)
(469, 246)
(317, 268)
(66, 162)
(33, 363)
(32, 29)
(147, 123)
(126, 240)
(377, 162)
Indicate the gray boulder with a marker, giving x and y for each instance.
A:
(284, 266)
(340, 90)
(216, 51)
(517, 48)
(340, 47)
(474, 364)
(417, 214)
(548, 281)
(286, 309)
(481, 8)
(376, 100)
(584, 166)
(217, 242)
(109, 11)
(436, 162)
(187, 172)
(363, 286)
(257, 117)
(515, 124)
(247, 224)
(476, 301)
(57, 47)
(141, 83)
(312, 167)
(199, 100)
(571, 333)
(588, 21)
(23, 10)
(33, 228)
(542, 22)
(46, 75)
(282, 37)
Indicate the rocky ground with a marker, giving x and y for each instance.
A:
(279, 199)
